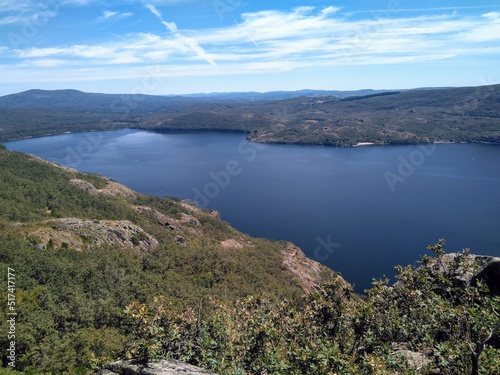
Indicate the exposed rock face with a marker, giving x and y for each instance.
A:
(115, 189)
(488, 270)
(308, 271)
(189, 220)
(215, 214)
(112, 188)
(84, 185)
(58, 239)
(231, 244)
(190, 206)
(165, 367)
(162, 219)
(108, 232)
(415, 360)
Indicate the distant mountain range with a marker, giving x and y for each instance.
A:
(75, 99)
(279, 95)
(338, 118)
(78, 100)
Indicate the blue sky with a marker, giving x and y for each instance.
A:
(188, 46)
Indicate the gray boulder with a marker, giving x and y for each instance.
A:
(472, 268)
(165, 367)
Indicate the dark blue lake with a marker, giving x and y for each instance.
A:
(358, 210)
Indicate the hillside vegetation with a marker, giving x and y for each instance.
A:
(468, 114)
(85, 247)
(102, 272)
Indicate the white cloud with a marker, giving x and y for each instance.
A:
(308, 36)
(12, 19)
(27, 11)
(190, 42)
(110, 15)
(46, 63)
(269, 41)
(330, 10)
(15, 6)
(132, 49)
(397, 7)
(107, 14)
(492, 16)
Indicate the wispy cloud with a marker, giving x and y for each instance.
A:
(400, 9)
(25, 12)
(15, 6)
(106, 15)
(45, 63)
(131, 49)
(190, 42)
(304, 37)
(114, 16)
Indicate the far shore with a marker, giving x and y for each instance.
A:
(364, 144)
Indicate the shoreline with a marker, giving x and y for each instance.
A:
(362, 144)
(173, 131)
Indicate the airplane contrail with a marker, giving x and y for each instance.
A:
(190, 42)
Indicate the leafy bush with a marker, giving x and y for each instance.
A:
(335, 331)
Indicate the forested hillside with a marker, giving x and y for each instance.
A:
(84, 247)
(99, 272)
(467, 114)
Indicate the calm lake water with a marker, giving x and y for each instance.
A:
(360, 210)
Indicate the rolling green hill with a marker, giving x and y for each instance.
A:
(84, 247)
(468, 114)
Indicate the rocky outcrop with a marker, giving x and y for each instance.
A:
(115, 189)
(78, 232)
(215, 214)
(84, 185)
(112, 188)
(189, 220)
(231, 244)
(309, 272)
(109, 232)
(190, 206)
(472, 268)
(47, 237)
(160, 218)
(165, 367)
(415, 360)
